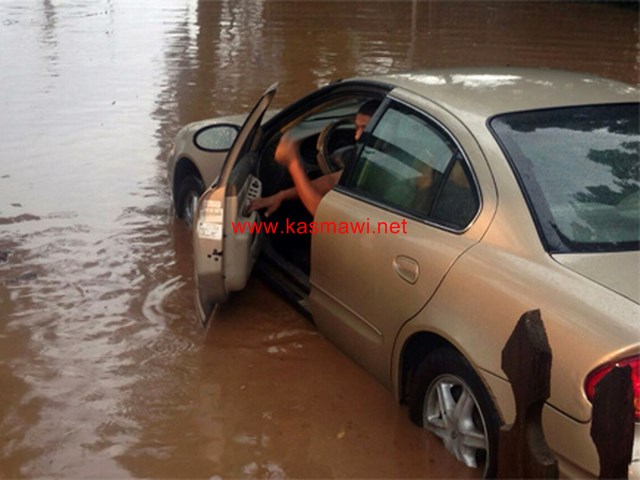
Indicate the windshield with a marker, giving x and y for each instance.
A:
(579, 169)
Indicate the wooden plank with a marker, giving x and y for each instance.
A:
(612, 424)
(526, 359)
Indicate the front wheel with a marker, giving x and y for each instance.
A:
(449, 399)
(188, 193)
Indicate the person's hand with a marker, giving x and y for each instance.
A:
(286, 151)
(271, 204)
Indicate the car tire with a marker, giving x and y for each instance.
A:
(449, 399)
(188, 193)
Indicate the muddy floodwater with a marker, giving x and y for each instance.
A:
(104, 369)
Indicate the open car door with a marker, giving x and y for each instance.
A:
(225, 247)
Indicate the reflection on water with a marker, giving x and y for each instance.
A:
(103, 366)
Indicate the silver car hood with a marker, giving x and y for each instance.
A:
(618, 271)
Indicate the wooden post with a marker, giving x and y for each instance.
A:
(612, 422)
(526, 359)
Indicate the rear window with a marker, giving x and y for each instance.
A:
(579, 169)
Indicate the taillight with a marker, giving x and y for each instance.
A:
(598, 374)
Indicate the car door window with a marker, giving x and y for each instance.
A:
(411, 164)
(457, 203)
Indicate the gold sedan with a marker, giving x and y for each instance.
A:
(473, 195)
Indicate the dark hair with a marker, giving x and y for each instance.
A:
(369, 107)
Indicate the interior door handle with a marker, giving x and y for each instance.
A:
(406, 268)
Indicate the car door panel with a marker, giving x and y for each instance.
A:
(228, 256)
(224, 242)
(365, 286)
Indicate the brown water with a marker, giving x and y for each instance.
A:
(104, 370)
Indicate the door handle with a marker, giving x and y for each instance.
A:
(406, 268)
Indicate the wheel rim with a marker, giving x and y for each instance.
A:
(451, 412)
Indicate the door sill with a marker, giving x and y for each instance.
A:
(285, 278)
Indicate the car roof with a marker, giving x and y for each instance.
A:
(486, 92)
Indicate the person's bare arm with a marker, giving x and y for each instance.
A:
(271, 203)
(326, 182)
(309, 192)
(309, 196)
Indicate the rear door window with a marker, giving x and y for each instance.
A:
(411, 164)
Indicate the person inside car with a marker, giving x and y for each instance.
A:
(310, 192)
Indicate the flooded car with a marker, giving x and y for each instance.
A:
(474, 195)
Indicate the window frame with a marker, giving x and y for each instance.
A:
(345, 184)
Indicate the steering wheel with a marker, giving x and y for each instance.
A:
(325, 162)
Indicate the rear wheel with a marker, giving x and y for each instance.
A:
(189, 191)
(449, 399)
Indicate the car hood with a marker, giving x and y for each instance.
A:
(618, 271)
(237, 120)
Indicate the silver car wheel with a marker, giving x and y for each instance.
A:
(191, 203)
(187, 196)
(452, 413)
